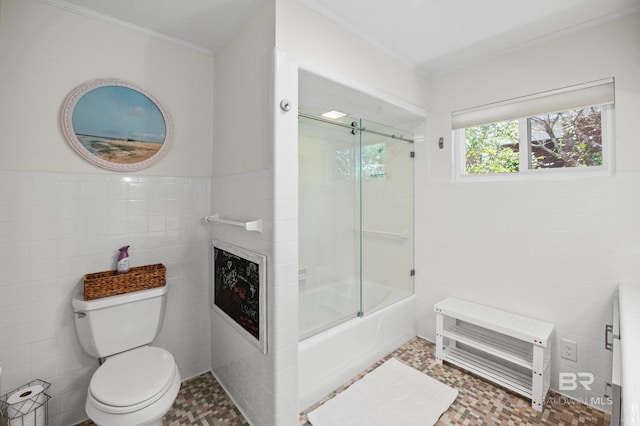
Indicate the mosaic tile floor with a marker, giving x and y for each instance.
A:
(202, 401)
(479, 402)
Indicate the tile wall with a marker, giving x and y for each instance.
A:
(549, 249)
(54, 228)
(262, 385)
(552, 249)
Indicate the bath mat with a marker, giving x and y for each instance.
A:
(392, 394)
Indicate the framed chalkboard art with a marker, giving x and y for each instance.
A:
(238, 290)
(116, 125)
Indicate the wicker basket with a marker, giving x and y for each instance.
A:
(110, 283)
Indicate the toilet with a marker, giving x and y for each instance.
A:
(136, 383)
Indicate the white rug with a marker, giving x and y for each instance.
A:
(392, 394)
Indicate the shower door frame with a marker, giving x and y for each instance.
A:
(283, 276)
(328, 134)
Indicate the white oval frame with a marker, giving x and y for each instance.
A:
(66, 117)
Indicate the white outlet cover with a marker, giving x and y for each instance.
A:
(569, 350)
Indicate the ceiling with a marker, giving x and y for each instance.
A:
(432, 35)
(205, 25)
(317, 95)
(440, 35)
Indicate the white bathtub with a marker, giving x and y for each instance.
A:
(328, 305)
(329, 359)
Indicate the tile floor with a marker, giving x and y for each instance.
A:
(202, 401)
(479, 402)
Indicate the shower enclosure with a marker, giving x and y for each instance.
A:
(355, 218)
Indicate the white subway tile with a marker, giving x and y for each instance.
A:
(15, 357)
(94, 188)
(14, 315)
(15, 336)
(44, 370)
(43, 189)
(117, 190)
(14, 378)
(13, 295)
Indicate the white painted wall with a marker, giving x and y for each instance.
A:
(242, 122)
(550, 249)
(608, 50)
(314, 40)
(46, 52)
(61, 217)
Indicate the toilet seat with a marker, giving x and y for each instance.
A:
(132, 380)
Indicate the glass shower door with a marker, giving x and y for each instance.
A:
(387, 215)
(355, 219)
(328, 225)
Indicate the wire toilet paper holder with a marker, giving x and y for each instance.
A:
(31, 408)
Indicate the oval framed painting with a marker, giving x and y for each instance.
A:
(116, 125)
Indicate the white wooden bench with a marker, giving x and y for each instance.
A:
(511, 350)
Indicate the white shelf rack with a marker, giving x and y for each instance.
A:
(508, 349)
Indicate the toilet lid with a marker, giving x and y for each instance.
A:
(133, 377)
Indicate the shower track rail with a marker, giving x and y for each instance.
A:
(353, 127)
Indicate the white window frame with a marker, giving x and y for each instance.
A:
(608, 139)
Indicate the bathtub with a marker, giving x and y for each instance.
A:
(325, 306)
(330, 358)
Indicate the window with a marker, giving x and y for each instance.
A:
(372, 162)
(496, 139)
(492, 148)
(566, 139)
(373, 166)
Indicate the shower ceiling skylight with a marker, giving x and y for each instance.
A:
(333, 114)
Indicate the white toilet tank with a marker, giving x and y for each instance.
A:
(115, 324)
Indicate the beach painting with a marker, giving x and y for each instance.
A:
(116, 125)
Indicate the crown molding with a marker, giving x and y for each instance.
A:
(61, 4)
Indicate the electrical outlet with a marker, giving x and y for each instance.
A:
(569, 350)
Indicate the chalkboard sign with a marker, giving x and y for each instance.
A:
(238, 290)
